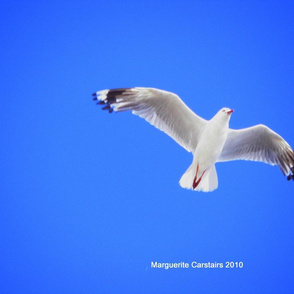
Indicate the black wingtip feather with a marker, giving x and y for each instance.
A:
(291, 177)
(107, 107)
(111, 96)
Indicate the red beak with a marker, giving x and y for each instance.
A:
(231, 111)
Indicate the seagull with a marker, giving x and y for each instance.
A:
(209, 141)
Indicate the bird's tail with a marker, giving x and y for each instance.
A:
(208, 183)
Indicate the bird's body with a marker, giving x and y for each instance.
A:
(208, 150)
(209, 141)
(212, 139)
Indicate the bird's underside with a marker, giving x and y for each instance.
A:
(210, 141)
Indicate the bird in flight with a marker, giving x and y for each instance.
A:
(209, 141)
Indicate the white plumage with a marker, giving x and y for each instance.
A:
(210, 141)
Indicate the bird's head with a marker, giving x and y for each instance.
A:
(226, 111)
(224, 114)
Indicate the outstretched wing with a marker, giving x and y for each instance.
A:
(259, 143)
(165, 110)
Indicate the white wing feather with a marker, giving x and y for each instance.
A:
(165, 110)
(258, 143)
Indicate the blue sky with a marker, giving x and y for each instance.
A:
(88, 199)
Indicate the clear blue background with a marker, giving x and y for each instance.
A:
(89, 199)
